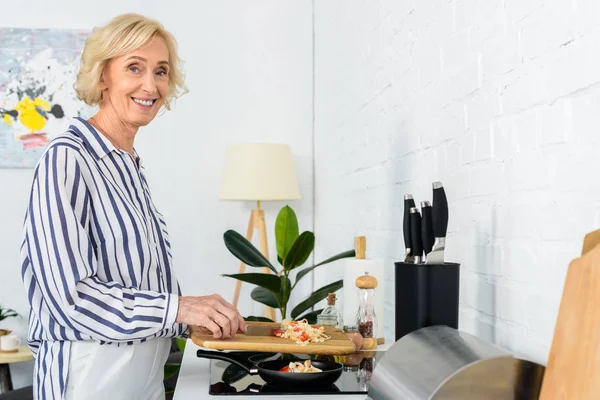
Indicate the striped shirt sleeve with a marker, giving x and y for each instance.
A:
(64, 265)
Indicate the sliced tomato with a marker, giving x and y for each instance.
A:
(293, 323)
(277, 332)
(285, 369)
(303, 337)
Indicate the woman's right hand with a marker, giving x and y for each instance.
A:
(211, 312)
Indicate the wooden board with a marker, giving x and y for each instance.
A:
(590, 241)
(260, 338)
(573, 370)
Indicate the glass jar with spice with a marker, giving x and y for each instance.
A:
(366, 320)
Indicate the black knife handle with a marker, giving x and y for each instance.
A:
(427, 236)
(415, 233)
(439, 211)
(409, 202)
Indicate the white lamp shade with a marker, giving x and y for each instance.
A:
(259, 171)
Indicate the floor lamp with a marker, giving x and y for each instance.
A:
(258, 172)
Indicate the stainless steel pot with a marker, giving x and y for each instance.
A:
(440, 363)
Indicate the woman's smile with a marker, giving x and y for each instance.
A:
(145, 103)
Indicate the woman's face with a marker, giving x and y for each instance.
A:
(135, 85)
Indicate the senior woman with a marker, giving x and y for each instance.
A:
(96, 255)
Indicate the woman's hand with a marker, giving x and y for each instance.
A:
(211, 312)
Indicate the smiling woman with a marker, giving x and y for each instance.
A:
(130, 68)
(120, 42)
(96, 255)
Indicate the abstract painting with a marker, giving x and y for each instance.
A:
(38, 68)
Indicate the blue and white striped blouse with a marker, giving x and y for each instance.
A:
(96, 257)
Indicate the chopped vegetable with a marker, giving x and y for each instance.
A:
(277, 332)
(299, 367)
(301, 332)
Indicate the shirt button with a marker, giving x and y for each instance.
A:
(140, 191)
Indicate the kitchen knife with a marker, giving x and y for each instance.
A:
(415, 235)
(409, 202)
(427, 237)
(439, 214)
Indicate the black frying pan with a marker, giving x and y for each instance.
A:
(269, 370)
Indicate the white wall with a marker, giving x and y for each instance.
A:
(497, 99)
(249, 72)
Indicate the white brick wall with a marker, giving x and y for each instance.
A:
(499, 100)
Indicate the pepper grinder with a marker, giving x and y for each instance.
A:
(366, 320)
(349, 299)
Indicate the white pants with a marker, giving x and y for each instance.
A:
(101, 372)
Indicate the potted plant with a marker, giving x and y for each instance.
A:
(293, 249)
(4, 314)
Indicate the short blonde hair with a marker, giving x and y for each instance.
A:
(122, 35)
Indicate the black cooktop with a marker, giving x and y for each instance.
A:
(228, 379)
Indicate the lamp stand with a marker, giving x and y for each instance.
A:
(257, 220)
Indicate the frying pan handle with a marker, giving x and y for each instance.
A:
(229, 357)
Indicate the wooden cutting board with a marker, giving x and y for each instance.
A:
(260, 338)
(573, 370)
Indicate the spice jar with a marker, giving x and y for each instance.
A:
(355, 336)
(366, 320)
(330, 315)
(326, 320)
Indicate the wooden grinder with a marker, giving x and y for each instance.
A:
(367, 282)
(354, 268)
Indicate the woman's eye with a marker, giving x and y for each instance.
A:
(162, 73)
(133, 68)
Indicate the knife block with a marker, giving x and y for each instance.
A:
(426, 295)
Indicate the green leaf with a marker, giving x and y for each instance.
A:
(300, 251)
(311, 317)
(316, 297)
(265, 296)
(245, 251)
(345, 254)
(286, 231)
(268, 281)
(181, 344)
(256, 318)
(7, 313)
(171, 370)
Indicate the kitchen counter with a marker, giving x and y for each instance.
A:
(194, 377)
